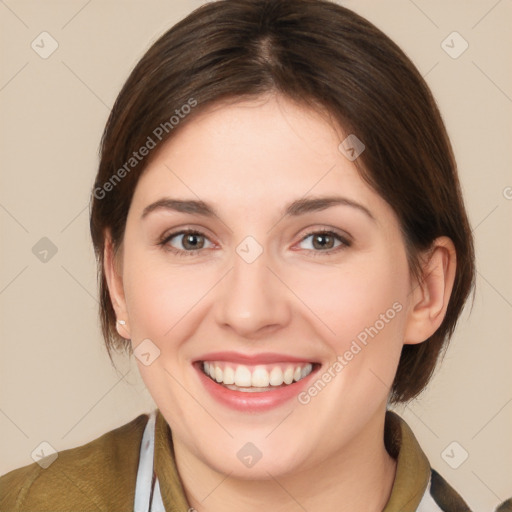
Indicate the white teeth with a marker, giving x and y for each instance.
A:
(249, 390)
(276, 377)
(243, 376)
(229, 375)
(259, 378)
(288, 375)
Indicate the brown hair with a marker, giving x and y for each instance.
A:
(321, 55)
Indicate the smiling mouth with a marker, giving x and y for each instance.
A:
(257, 378)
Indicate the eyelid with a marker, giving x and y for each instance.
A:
(344, 235)
(184, 230)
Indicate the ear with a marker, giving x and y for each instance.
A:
(112, 266)
(431, 294)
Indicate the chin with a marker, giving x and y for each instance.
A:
(248, 462)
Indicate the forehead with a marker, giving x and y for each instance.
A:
(253, 154)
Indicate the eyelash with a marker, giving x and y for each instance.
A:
(345, 243)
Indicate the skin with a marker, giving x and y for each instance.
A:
(249, 159)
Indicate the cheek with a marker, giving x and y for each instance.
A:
(162, 298)
(360, 308)
(364, 307)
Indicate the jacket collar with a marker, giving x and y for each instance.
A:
(412, 468)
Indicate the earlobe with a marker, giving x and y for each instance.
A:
(113, 276)
(430, 296)
(122, 329)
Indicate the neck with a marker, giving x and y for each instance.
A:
(358, 477)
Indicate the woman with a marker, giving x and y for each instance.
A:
(283, 245)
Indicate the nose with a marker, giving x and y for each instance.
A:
(253, 300)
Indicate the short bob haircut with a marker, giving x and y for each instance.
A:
(322, 56)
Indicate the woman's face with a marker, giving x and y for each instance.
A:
(258, 281)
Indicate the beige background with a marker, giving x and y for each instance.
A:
(57, 384)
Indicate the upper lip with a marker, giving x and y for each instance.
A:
(252, 359)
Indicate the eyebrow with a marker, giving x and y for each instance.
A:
(293, 209)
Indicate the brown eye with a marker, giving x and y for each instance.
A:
(185, 242)
(192, 241)
(324, 242)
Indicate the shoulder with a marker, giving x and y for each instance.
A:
(99, 475)
(440, 496)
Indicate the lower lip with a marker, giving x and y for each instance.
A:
(256, 401)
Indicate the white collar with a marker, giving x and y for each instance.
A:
(147, 487)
